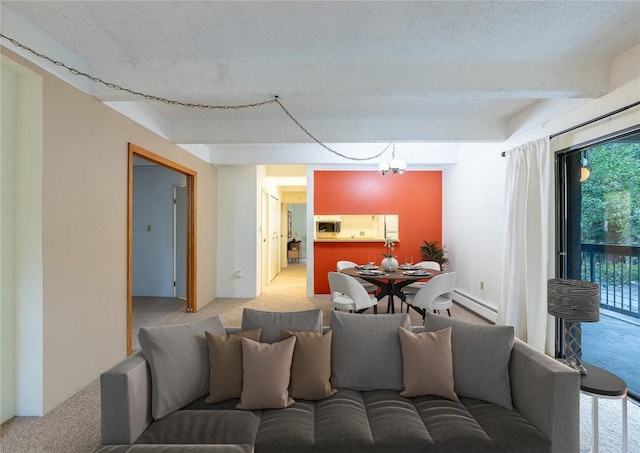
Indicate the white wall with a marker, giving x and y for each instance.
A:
(22, 263)
(473, 218)
(310, 229)
(238, 243)
(153, 250)
(8, 126)
(83, 231)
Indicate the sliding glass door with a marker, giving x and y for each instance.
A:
(599, 241)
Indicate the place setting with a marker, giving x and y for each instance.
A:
(409, 268)
(370, 268)
(416, 272)
(371, 272)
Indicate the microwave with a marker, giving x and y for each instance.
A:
(327, 227)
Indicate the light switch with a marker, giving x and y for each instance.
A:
(148, 227)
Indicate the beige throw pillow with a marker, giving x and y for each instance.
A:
(225, 364)
(311, 365)
(266, 374)
(427, 363)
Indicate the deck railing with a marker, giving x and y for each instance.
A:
(616, 269)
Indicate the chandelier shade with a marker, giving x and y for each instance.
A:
(396, 166)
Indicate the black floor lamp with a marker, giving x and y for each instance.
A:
(574, 301)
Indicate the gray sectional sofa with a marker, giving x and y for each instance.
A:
(511, 398)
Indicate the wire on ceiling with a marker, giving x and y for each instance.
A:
(193, 105)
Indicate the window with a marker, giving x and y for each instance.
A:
(598, 220)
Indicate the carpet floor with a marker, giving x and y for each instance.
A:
(74, 426)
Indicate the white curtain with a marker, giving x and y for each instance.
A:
(523, 298)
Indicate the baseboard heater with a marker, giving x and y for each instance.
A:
(480, 308)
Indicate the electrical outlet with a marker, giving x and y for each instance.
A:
(481, 286)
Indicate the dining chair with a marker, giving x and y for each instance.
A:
(343, 264)
(436, 294)
(347, 293)
(415, 287)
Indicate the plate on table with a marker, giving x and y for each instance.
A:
(371, 272)
(368, 267)
(406, 267)
(417, 273)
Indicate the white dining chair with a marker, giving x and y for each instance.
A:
(348, 294)
(415, 287)
(344, 264)
(436, 294)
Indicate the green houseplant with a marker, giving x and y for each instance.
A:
(431, 251)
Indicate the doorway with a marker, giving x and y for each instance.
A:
(180, 241)
(297, 228)
(136, 152)
(599, 232)
(284, 187)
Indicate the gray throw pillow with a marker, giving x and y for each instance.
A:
(179, 363)
(481, 357)
(272, 322)
(366, 352)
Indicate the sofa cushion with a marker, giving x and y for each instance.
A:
(335, 424)
(365, 351)
(427, 364)
(481, 357)
(384, 421)
(272, 322)
(204, 427)
(311, 365)
(225, 364)
(176, 448)
(508, 429)
(266, 374)
(351, 421)
(177, 356)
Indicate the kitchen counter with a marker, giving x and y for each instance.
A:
(350, 239)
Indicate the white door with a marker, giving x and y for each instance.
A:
(264, 238)
(274, 237)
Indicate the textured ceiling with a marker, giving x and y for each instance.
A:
(351, 72)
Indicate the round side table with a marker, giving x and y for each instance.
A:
(599, 383)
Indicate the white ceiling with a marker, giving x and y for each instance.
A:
(351, 72)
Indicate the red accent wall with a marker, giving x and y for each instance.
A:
(416, 196)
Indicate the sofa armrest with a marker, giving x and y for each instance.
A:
(547, 393)
(125, 394)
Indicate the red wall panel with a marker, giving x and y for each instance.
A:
(416, 196)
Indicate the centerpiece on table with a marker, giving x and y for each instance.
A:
(389, 263)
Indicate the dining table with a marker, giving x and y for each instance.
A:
(391, 283)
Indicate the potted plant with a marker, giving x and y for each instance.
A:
(431, 251)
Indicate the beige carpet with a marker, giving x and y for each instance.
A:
(287, 292)
(74, 426)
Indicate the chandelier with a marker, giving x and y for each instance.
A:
(396, 166)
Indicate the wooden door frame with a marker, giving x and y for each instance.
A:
(191, 277)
